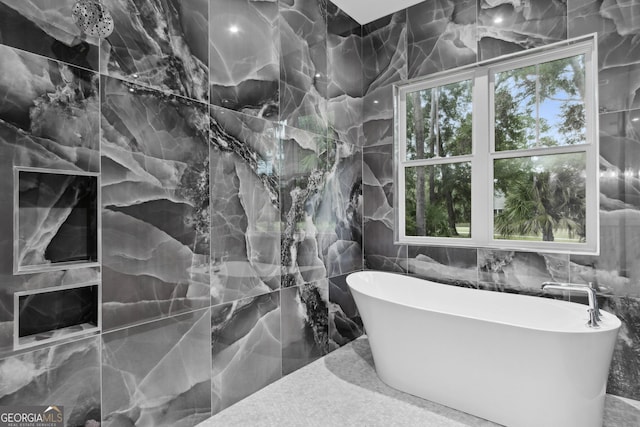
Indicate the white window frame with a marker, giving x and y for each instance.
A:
(483, 152)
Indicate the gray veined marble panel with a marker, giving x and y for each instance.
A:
(380, 252)
(155, 197)
(344, 89)
(303, 64)
(66, 375)
(617, 26)
(48, 114)
(385, 63)
(616, 270)
(620, 161)
(245, 206)
(303, 177)
(161, 44)
(246, 348)
(624, 375)
(305, 324)
(345, 323)
(34, 282)
(49, 118)
(385, 51)
(338, 217)
(508, 26)
(453, 266)
(521, 272)
(157, 374)
(441, 35)
(378, 125)
(244, 70)
(47, 28)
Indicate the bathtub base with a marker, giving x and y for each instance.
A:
(514, 375)
(483, 375)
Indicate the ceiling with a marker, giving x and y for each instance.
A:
(365, 11)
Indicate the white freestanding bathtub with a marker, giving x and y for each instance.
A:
(512, 359)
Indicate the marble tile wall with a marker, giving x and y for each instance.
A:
(439, 35)
(156, 374)
(155, 200)
(226, 138)
(65, 374)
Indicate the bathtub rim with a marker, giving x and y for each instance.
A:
(610, 321)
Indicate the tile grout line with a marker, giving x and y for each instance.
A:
(101, 341)
(147, 322)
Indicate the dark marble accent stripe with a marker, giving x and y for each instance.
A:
(305, 324)
(338, 217)
(303, 177)
(245, 206)
(345, 323)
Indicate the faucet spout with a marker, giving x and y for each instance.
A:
(594, 310)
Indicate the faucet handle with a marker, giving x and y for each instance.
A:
(596, 306)
(594, 319)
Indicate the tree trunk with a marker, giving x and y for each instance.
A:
(433, 120)
(547, 233)
(451, 213)
(446, 183)
(420, 183)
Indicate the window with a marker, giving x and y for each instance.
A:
(502, 154)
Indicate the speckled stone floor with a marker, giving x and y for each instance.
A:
(342, 389)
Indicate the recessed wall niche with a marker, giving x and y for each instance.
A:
(52, 314)
(55, 220)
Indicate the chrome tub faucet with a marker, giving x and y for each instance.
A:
(594, 310)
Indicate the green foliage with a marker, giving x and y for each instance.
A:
(539, 201)
(442, 129)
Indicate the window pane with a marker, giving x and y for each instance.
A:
(540, 198)
(514, 106)
(438, 200)
(439, 121)
(561, 112)
(541, 105)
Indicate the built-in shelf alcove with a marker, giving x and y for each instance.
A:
(55, 220)
(52, 314)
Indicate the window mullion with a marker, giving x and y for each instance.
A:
(481, 170)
